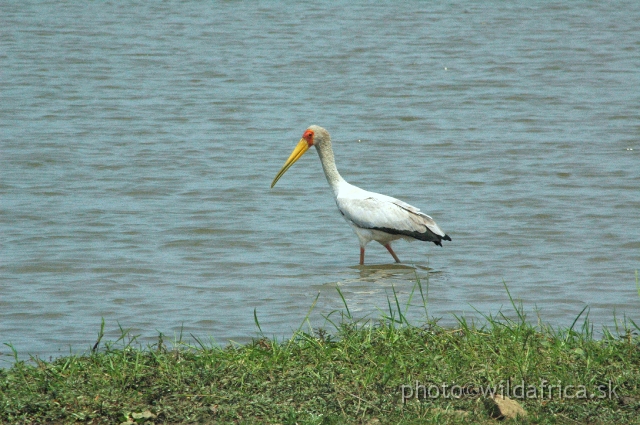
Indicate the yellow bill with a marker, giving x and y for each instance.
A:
(297, 153)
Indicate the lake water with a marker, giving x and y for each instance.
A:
(138, 143)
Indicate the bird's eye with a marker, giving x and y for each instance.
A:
(308, 135)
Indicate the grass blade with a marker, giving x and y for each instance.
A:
(344, 302)
(255, 319)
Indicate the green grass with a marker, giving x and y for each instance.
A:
(352, 373)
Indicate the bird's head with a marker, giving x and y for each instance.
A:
(313, 136)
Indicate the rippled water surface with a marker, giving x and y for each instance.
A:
(138, 143)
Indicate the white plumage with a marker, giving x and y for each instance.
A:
(373, 217)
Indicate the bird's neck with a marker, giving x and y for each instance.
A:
(325, 151)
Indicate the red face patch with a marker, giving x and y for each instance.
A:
(308, 136)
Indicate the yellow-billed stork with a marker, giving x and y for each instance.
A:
(373, 217)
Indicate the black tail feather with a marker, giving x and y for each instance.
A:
(444, 238)
(427, 236)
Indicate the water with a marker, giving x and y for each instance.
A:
(138, 143)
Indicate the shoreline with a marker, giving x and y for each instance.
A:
(382, 371)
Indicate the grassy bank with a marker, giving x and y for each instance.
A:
(387, 371)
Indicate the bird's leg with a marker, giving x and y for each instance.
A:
(395, 257)
(361, 256)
